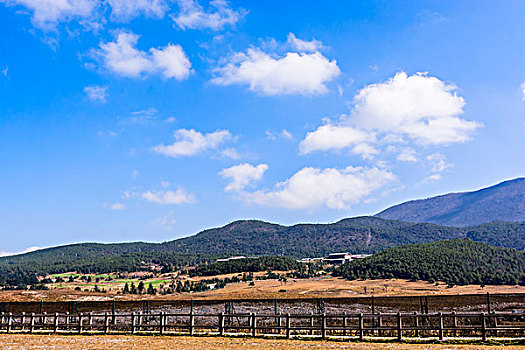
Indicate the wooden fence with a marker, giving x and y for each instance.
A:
(358, 326)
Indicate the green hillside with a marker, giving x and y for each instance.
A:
(456, 262)
(356, 235)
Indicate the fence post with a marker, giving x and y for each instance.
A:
(345, 324)
(162, 322)
(32, 323)
(9, 322)
(192, 321)
(323, 325)
(455, 323)
(440, 315)
(288, 326)
(254, 324)
(361, 326)
(106, 323)
(483, 327)
(133, 323)
(55, 323)
(113, 318)
(488, 303)
(221, 323)
(379, 324)
(80, 316)
(416, 323)
(23, 321)
(44, 318)
(312, 323)
(399, 327)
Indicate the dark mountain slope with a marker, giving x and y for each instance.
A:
(357, 235)
(453, 261)
(502, 202)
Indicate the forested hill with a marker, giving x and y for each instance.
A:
(456, 262)
(502, 202)
(356, 235)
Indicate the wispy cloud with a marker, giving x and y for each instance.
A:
(191, 142)
(96, 92)
(219, 15)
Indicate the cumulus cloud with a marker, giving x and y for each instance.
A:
(191, 142)
(124, 10)
(329, 136)
(311, 188)
(123, 58)
(243, 175)
(165, 197)
(219, 15)
(302, 45)
(292, 74)
(96, 93)
(418, 108)
(46, 14)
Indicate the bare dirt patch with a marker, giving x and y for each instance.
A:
(109, 342)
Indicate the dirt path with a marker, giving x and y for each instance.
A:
(30, 342)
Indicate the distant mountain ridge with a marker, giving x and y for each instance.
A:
(357, 235)
(502, 202)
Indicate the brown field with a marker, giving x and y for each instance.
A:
(306, 288)
(109, 342)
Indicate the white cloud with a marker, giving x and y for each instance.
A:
(5, 71)
(243, 175)
(438, 162)
(117, 206)
(219, 15)
(123, 58)
(301, 45)
(417, 108)
(124, 10)
(169, 197)
(28, 250)
(46, 14)
(311, 188)
(96, 93)
(407, 155)
(522, 89)
(329, 136)
(191, 142)
(285, 134)
(293, 74)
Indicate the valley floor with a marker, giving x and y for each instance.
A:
(301, 288)
(110, 342)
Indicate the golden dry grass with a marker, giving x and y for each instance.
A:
(110, 342)
(307, 288)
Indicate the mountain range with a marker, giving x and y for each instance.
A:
(357, 235)
(502, 202)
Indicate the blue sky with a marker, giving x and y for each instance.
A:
(154, 119)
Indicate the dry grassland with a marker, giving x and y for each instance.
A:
(307, 288)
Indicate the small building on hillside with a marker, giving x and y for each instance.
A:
(232, 258)
(341, 258)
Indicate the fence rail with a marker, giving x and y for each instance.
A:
(385, 325)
